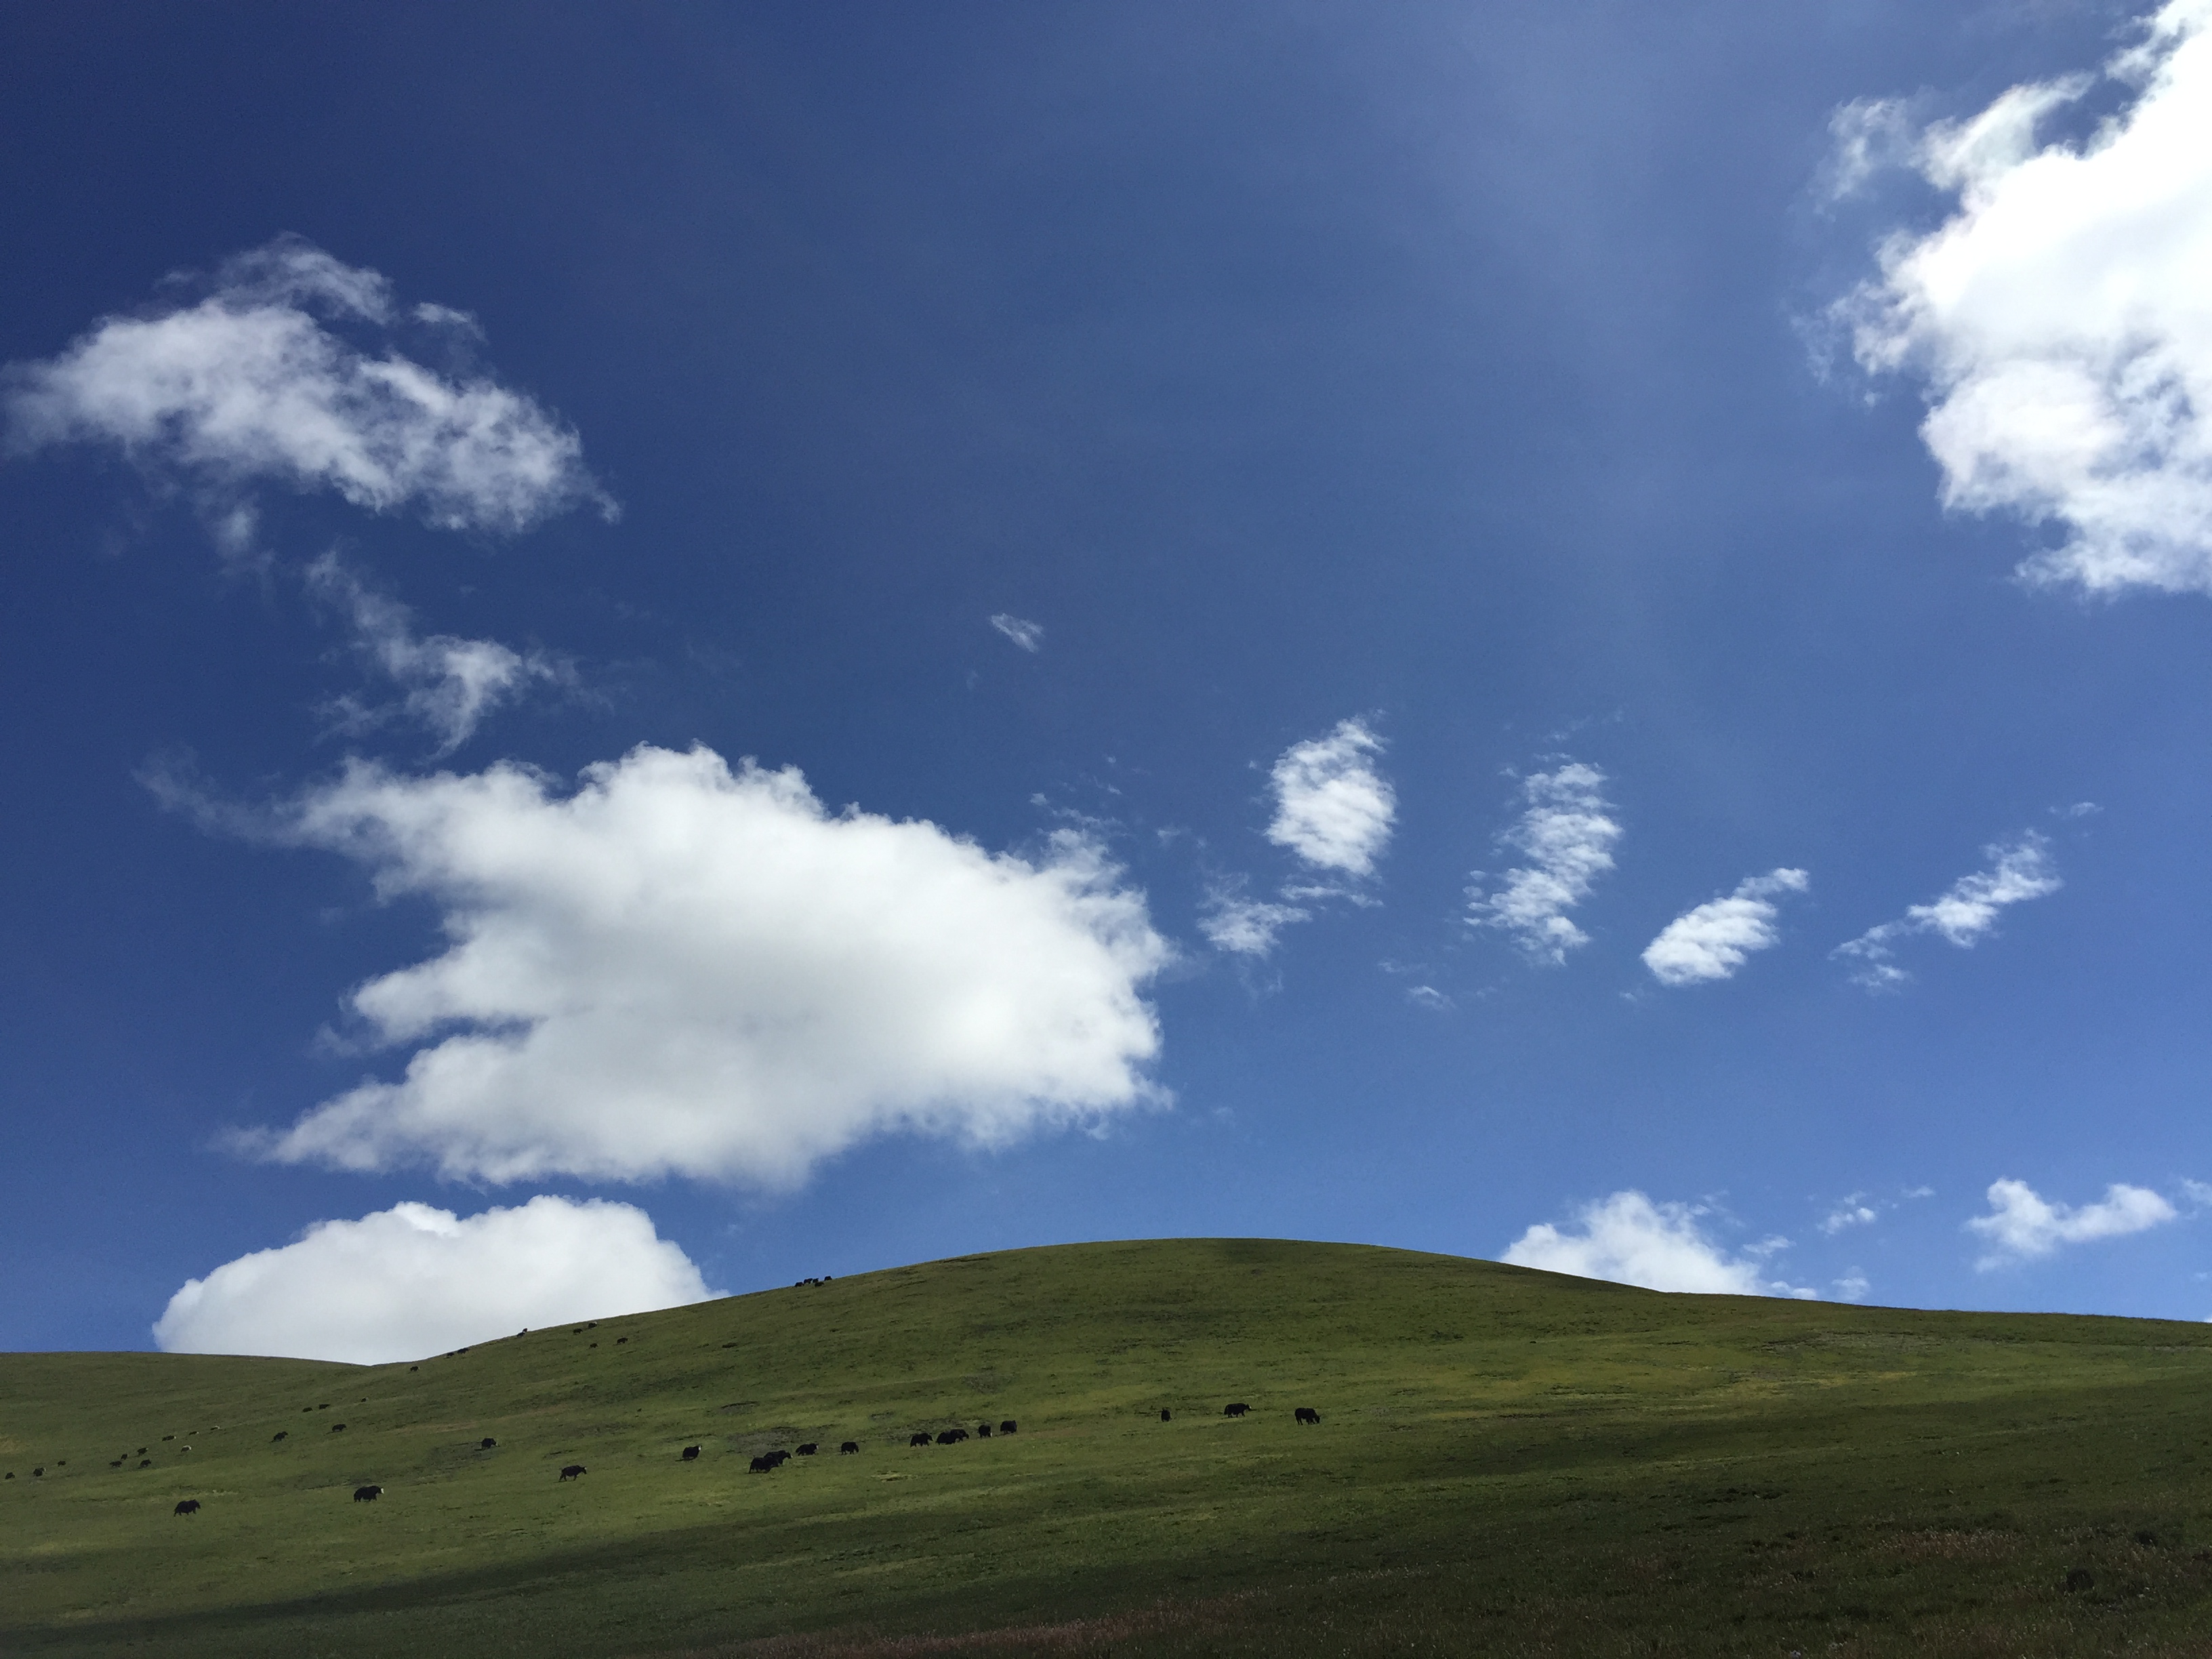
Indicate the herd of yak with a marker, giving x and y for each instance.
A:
(768, 1463)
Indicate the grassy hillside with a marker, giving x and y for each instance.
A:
(1507, 1462)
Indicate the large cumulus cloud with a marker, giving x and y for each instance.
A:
(684, 968)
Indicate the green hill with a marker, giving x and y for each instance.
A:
(1507, 1462)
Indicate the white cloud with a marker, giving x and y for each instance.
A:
(2022, 1223)
(1332, 807)
(1027, 635)
(1853, 1286)
(414, 1280)
(1629, 1239)
(1243, 926)
(448, 685)
(2059, 318)
(251, 386)
(683, 968)
(1567, 836)
(1853, 1211)
(1713, 940)
(2020, 870)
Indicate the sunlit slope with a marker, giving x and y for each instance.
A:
(1522, 1451)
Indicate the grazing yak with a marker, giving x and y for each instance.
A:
(766, 1464)
(951, 1437)
(921, 1439)
(573, 1472)
(1235, 1409)
(810, 1448)
(367, 1494)
(1307, 1415)
(691, 1454)
(845, 1450)
(1164, 1414)
(1008, 1426)
(486, 1443)
(279, 1435)
(190, 1506)
(982, 1430)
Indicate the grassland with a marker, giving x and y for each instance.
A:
(1508, 1462)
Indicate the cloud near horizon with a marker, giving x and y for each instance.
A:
(2058, 319)
(1332, 809)
(2020, 870)
(2022, 1224)
(683, 968)
(415, 1280)
(1714, 939)
(1567, 834)
(253, 386)
(1629, 1240)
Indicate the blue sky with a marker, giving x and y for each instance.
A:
(661, 652)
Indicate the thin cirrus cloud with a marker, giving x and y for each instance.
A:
(1567, 833)
(1333, 809)
(679, 968)
(2057, 319)
(414, 1280)
(1029, 635)
(1714, 939)
(2022, 1224)
(2020, 870)
(1630, 1240)
(255, 386)
(448, 686)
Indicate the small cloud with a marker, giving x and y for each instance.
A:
(1853, 1286)
(448, 685)
(414, 1280)
(1567, 834)
(2022, 1224)
(1332, 809)
(255, 384)
(1241, 925)
(1027, 635)
(1713, 940)
(1853, 1212)
(1427, 996)
(1919, 1192)
(1629, 1240)
(2079, 809)
(2020, 870)
(1867, 137)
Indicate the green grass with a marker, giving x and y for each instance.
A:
(1509, 1462)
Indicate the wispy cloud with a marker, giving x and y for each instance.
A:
(2057, 319)
(1714, 939)
(1027, 635)
(447, 684)
(1567, 834)
(1333, 808)
(2022, 1224)
(2020, 870)
(1243, 925)
(255, 384)
(1629, 1240)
